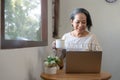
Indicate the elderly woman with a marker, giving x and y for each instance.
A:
(80, 38)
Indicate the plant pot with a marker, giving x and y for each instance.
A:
(51, 70)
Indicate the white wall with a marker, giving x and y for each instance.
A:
(106, 19)
(25, 63)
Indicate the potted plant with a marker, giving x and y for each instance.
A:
(51, 64)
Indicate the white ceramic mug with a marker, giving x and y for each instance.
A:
(59, 43)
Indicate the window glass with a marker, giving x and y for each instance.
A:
(22, 20)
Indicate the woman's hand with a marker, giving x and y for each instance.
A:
(54, 45)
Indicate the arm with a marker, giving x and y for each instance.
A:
(61, 53)
(95, 44)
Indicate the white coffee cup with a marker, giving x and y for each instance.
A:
(59, 43)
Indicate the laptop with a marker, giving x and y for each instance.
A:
(83, 61)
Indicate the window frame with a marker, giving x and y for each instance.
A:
(10, 44)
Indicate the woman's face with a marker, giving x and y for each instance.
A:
(79, 23)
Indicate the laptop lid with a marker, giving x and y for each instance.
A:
(83, 61)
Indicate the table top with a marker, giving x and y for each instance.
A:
(61, 75)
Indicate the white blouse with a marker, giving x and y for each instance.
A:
(86, 43)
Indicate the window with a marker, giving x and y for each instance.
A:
(23, 23)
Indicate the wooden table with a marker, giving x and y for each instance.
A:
(61, 75)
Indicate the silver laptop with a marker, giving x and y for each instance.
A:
(83, 61)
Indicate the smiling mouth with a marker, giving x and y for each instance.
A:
(81, 29)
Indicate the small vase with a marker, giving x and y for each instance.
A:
(51, 70)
